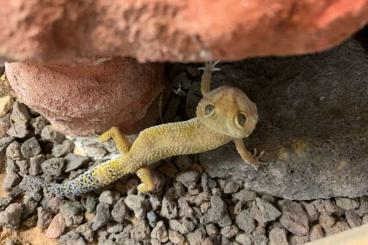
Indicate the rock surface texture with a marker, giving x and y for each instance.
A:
(163, 30)
(313, 124)
(85, 99)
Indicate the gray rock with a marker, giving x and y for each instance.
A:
(229, 231)
(35, 164)
(13, 151)
(316, 146)
(298, 240)
(197, 237)
(140, 231)
(264, 211)
(120, 212)
(347, 203)
(49, 134)
(316, 232)
(71, 238)
(117, 228)
(217, 213)
(325, 206)
(23, 166)
(102, 216)
(188, 178)
(245, 195)
(30, 148)
(185, 210)
(175, 237)
(353, 219)
(29, 206)
(245, 221)
(169, 209)
(53, 166)
(340, 226)
(11, 216)
(4, 202)
(86, 231)
(44, 218)
(72, 211)
(94, 151)
(152, 218)
(138, 204)
(277, 236)
(90, 203)
(109, 197)
(294, 218)
(231, 187)
(38, 124)
(73, 162)
(260, 240)
(326, 221)
(311, 211)
(183, 226)
(19, 120)
(211, 230)
(60, 150)
(5, 142)
(363, 208)
(244, 239)
(11, 180)
(159, 232)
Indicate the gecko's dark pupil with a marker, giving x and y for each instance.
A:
(208, 109)
(241, 119)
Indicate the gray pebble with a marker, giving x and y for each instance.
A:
(44, 218)
(217, 213)
(117, 228)
(175, 237)
(347, 203)
(316, 232)
(120, 211)
(71, 238)
(19, 120)
(294, 218)
(197, 237)
(244, 239)
(169, 209)
(38, 124)
(298, 240)
(188, 178)
(229, 231)
(264, 212)
(183, 226)
(159, 232)
(29, 206)
(185, 210)
(102, 216)
(11, 216)
(49, 134)
(5, 142)
(260, 240)
(23, 166)
(138, 204)
(245, 196)
(53, 167)
(109, 197)
(30, 148)
(73, 162)
(231, 187)
(353, 219)
(325, 206)
(326, 221)
(245, 221)
(311, 211)
(140, 231)
(60, 150)
(211, 230)
(277, 236)
(71, 208)
(4, 202)
(86, 231)
(337, 228)
(35, 164)
(152, 218)
(13, 151)
(11, 180)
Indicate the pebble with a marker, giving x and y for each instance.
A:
(260, 240)
(71, 238)
(38, 124)
(73, 162)
(245, 196)
(5, 142)
(184, 226)
(109, 197)
(35, 164)
(217, 213)
(60, 150)
(337, 228)
(94, 152)
(152, 218)
(11, 216)
(86, 231)
(325, 206)
(49, 134)
(245, 221)
(326, 221)
(316, 232)
(264, 211)
(211, 230)
(294, 218)
(120, 212)
(169, 209)
(44, 218)
(353, 219)
(117, 228)
(11, 180)
(29, 206)
(231, 187)
(311, 211)
(188, 178)
(229, 231)
(277, 236)
(23, 166)
(53, 166)
(30, 148)
(347, 203)
(159, 232)
(298, 240)
(138, 204)
(197, 237)
(102, 216)
(141, 231)
(56, 227)
(19, 119)
(244, 239)
(4, 202)
(175, 237)
(13, 151)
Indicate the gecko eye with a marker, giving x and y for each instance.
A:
(240, 119)
(209, 110)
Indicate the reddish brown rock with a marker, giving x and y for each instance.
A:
(88, 99)
(164, 30)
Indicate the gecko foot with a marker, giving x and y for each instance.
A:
(210, 66)
(257, 157)
(145, 175)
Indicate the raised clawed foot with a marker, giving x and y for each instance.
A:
(121, 142)
(210, 66)
(258, 163)
(145, 175)
(206, 79)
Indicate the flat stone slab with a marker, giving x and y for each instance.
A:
(313, 124)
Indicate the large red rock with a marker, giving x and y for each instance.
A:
(88, 99)
(165, 30)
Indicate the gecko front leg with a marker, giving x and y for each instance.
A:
(206, 79)
(246, 155)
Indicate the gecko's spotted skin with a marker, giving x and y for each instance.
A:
(224, 114)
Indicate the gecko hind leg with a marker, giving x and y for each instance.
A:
(246, 155)
(145, 175)
(122, 143)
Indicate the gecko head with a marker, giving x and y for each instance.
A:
(229, 111)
